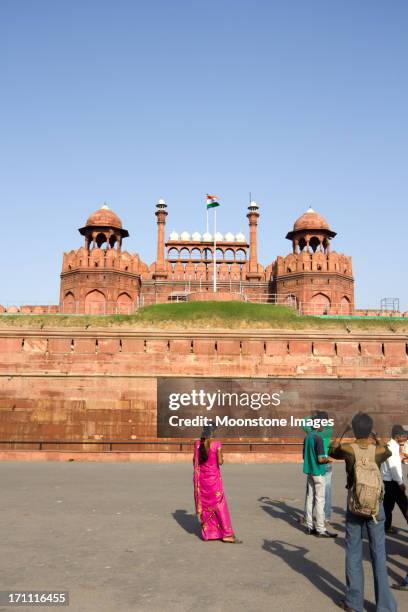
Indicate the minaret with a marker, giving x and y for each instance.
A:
(253, 215)
(161, 214)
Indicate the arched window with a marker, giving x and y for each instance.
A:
(196, 254)
(184, 254)
(208, 254)
(229, 255)
(320, 304)
(240, 255)
(68, 306)
(291, 300)
(314, 243)
(173, 253)
(100, 240)
(220, 254)
(124, 304)
(345, 307)
(95, 303)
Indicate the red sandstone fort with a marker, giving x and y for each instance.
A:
(102, 278)
(95, 388)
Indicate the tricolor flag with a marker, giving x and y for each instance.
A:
(212, 201)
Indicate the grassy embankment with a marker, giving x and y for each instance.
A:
(209, 315)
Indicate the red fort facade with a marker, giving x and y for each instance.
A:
(101, 277)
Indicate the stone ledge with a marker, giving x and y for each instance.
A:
(144, 457)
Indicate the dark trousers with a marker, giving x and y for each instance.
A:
(393, 495)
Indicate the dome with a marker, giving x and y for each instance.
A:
(240, 237)
(174, 235)
(196, 237)
(229, 237)
(105, 217)
(219, 237)
(310, 220)
(184, 236)
(207, 237)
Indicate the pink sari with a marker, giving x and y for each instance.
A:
(209, 495)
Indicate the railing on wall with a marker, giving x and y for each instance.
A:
(100, 308)
(272, 298)
(72, 308)
(182, 295)
(313, 309)
(345, 310)
(111, 445)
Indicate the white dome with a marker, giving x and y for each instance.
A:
(219, 237)
(196, 236)
(185, 236)
(229, 237)
(207, 237)
(174, 235)
(240, 237)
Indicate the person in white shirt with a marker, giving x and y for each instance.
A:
(393, 478)
(405, 452)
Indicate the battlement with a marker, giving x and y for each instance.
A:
(314, 262)
(112, 259)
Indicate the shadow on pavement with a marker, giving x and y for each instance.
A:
(188, 522)
(392, 548)
(319, 577)
(281, 510)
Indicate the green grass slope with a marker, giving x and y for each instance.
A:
(209, 315)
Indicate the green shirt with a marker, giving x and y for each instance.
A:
(313, 449)
(325, 434)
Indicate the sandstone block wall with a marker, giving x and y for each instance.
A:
(100, 385)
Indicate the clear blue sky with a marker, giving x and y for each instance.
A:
(302, 103)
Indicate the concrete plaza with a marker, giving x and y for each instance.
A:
(123, 537)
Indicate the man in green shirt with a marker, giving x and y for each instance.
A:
(325, 433)
(314, 460)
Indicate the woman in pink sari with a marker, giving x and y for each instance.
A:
(211, 505)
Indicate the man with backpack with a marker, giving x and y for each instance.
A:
(394, 479)
(363, 459)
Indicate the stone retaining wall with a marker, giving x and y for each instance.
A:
(70, 384)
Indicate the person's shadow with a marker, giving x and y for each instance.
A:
(295, 557)
(281, 510)
(188, 522)
(395, 548)
(290, 514)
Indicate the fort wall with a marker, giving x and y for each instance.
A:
(100, 385)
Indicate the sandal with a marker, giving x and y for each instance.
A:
(234, 541)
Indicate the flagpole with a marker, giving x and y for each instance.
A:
(215, 251)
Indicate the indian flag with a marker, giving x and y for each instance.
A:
(212, 201)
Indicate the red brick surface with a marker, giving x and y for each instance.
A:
(73, 385)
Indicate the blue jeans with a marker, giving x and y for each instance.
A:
(385, 601)
(328, 492)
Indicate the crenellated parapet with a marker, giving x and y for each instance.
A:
(314, 262)
(107, 259)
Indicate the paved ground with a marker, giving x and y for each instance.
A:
(124, 537)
